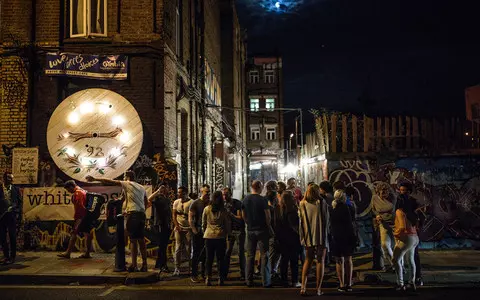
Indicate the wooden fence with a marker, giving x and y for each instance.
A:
(337, 133)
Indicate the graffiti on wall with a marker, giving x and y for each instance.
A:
(447, 188)
(54, 235)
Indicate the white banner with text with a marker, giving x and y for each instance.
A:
(54, 203)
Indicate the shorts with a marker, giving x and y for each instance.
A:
(84, 225)
(136, 225)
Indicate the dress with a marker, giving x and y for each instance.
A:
(344, 240)
(314, 219)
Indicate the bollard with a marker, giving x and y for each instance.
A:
(120, 250)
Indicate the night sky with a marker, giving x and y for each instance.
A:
(398, 57)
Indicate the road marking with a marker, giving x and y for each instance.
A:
(108, 292)
(52, 286)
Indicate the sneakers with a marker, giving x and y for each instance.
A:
(297, 285)
(419, 281)
(176, 272)
(341, 289)
(196, 279)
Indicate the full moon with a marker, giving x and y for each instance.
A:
(277, 4)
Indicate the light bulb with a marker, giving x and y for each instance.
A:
(124, 137)
(115, 152)
(86, 108)
(70, 151)
(103, 108)
(117, 120)
(73, 118)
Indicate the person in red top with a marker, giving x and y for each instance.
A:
(82, 223)
(297, 192)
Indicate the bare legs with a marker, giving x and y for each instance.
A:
(344, 266)
(310, 251)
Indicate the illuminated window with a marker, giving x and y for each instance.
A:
(88, 18)
(270, 104)
(254, 104)
(271, 134)
(255, 134)
(269, 76)
(254, 77)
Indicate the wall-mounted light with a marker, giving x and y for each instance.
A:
(86, 108)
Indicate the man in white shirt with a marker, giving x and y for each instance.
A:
(183, 232)
(135, 205)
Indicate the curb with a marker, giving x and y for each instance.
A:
(378, 278)
(62, 279)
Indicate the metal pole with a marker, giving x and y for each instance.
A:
(120, 249)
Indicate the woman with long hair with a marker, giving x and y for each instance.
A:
(344, 239)
(216, 227)
(314, 220)
(406, 239)
(288, 238)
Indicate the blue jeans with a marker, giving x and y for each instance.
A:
(261, 238)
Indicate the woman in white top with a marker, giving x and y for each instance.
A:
(313, 211)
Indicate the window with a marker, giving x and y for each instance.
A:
(254, 104)
(88, 18)
(270, 104)
(271, 134)
(254, 77)
(269, 76)
(254, 134)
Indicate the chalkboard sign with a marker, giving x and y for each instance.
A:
(25, 165)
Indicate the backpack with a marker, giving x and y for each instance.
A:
(94, 204)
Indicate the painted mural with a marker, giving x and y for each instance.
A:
(54, 235)
(448, 189)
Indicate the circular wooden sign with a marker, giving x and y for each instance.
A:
(94, 132)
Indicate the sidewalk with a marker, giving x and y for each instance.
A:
(47, 268)
(444, 267)
(439, 268)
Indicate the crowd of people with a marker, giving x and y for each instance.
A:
(285, 225)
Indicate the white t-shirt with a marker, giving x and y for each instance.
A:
(182, 209)
(134, 196)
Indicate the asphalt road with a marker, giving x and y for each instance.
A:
(216, 293)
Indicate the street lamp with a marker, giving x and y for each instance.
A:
(290, 142)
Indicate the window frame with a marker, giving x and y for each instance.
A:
(267, 102)
(251, 76)
(87, 19)
(257, 102)
(271, 131)
(267, 75)
(254, 133)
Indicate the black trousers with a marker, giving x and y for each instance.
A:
(8, 228)
(163, 241)
(239, 238)
(289, 255)
(198, 255)
(216, 247)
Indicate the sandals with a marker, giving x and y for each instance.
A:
(303, 292)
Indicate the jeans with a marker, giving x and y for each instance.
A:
(183, 241)
(386, 239)
(232, 238)
(274, 254)
(199, 255)
(405, 246)
(8, 227)
(289, 254)
(418, 266)
(216, 247)
(261, 238)
(163, 241)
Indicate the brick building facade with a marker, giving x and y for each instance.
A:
(175, 73)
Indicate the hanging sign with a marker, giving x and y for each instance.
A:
(103, 67)
(94, 132)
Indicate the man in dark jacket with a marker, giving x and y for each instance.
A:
(10, 214)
